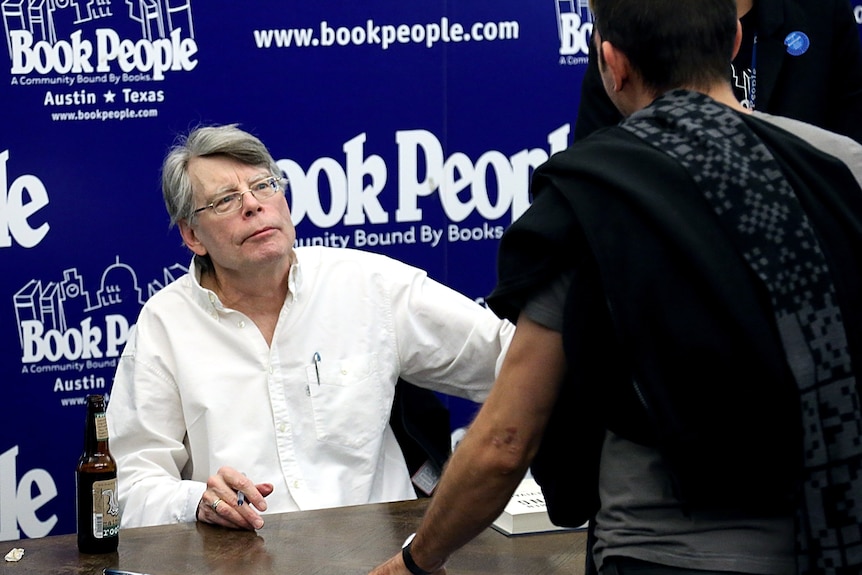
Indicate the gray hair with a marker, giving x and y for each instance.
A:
(228, 141)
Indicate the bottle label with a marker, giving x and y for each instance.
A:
(101, 427)
(106, 509)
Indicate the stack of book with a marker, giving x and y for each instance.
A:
(526, 512)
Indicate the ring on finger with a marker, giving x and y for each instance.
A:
(215, 503)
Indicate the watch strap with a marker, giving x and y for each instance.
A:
(408, 558)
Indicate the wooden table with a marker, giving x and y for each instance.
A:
(336, 541)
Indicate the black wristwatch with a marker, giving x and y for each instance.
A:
(408, 558)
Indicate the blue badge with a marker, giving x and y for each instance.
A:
(797, 43)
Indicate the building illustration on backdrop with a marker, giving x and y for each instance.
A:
(57, 305)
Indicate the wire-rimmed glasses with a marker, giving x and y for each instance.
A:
(262, 189)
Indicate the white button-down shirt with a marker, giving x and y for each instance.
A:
(197, 387)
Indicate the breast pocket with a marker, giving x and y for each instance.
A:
(347, 400)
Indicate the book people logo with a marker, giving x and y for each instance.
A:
(149, 37)
(575, 28)
(62, 326)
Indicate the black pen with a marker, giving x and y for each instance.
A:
(240, 497)
(316, 359)
(112, 571)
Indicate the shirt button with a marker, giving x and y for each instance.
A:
(281, 427)
(241, 324)
(212, 298)
(343, 372)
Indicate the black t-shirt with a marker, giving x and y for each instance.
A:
(742, 64)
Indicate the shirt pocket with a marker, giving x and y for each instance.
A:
(347, 400)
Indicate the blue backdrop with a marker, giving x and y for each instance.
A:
(409, 128)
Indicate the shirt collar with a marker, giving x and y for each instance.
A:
(208, 299)
(294, 279)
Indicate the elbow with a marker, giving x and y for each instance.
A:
(506, 452)
(512, 466)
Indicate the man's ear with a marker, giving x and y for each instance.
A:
(190, 238)
(737, 42)
(617, 63)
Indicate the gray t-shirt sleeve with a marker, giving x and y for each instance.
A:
(546, 307)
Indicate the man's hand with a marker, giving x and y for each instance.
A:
(233, 500)
(395, 566)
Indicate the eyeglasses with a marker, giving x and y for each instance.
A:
(232, 202)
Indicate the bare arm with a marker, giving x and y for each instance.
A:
(492, 458)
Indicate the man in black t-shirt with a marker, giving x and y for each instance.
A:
(686, 363)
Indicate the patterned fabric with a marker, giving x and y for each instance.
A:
(774, 235)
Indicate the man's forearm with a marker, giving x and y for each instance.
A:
(473, 492)
(496, 451)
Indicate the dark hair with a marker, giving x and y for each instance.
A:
(671, 43)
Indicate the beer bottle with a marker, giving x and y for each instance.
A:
(96, 481)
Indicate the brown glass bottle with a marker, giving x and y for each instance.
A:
(96, 481)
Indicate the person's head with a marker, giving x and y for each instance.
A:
(667, 44)
(210, 168)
